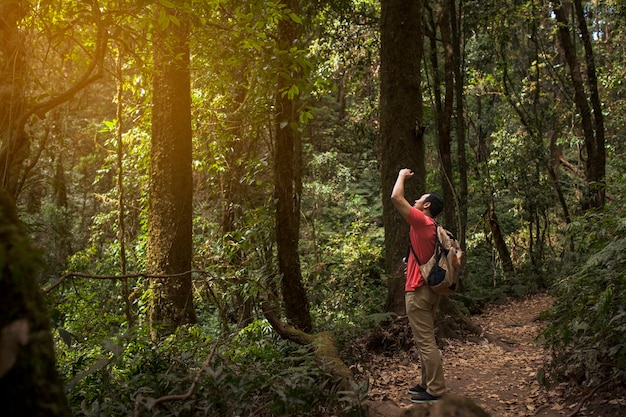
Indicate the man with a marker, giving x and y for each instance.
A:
(421, 301)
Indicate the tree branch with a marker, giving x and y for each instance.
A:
(180, 397)
(40, 109)
(593, 391)
(64, 277)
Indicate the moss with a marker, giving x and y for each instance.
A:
(31, 386)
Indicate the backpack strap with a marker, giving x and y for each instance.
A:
(437, 243)
(413, 252)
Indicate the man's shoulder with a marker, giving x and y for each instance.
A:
(418, 218)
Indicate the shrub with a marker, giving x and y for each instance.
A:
(588, 328)
(255, 373)
(587, 332)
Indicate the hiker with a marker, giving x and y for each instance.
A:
(421, 301)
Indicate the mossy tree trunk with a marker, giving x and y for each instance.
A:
(29, 383)
(586, 99)
(401, 128)
(171, 186)
(288, 181)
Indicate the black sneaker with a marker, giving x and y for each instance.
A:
(417, 389)
(424, 397)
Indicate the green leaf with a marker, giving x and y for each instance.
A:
(163, 21)
(66, 336)
(295, 18)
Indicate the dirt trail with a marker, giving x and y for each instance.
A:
(500, 375)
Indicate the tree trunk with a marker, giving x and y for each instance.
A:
(171, 188)
(29, 383)
(401, 128)
(288, 186)
(459, 81)
(121, 216)
(596, 152)
(444, 109)
(592, 125)
(499, 242)
(556, 152)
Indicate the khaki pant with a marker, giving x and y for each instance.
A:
(421, 306)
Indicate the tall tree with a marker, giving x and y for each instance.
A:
(171, 186)
(401, 127)
(457, 41)
(585, 91)
(288, 177)
(29, 382)
(439, 27)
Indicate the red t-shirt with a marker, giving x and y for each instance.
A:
(423, 239)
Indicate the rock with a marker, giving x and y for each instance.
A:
(448, 406)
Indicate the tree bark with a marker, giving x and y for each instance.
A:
(288, 185)
(445, 109)
(596, 152)
(401, 128)
(171, 187)
(29, 383)
(499, 242)
(459, 81)
(592, 125)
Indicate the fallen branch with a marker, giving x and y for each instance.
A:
(120, 277)
(586, 397)
(499, 341)
(179, 397)
(322, 343)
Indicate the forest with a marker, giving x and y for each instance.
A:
(195, 211)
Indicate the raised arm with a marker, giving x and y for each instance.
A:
(397, 195)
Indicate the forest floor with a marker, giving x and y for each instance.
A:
(500, 374)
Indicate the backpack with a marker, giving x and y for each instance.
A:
(442, 271)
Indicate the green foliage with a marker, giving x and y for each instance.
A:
(53, 228)
(352, 271)
(588, 322)
(587, 331)
(253, 371)
(341, 240)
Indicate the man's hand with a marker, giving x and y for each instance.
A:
(397, 194)
(405, 173)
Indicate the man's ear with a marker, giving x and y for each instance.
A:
(427, 204)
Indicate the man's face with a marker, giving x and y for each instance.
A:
(419, 204)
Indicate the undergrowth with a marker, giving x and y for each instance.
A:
(254, 373)
(587, 325)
